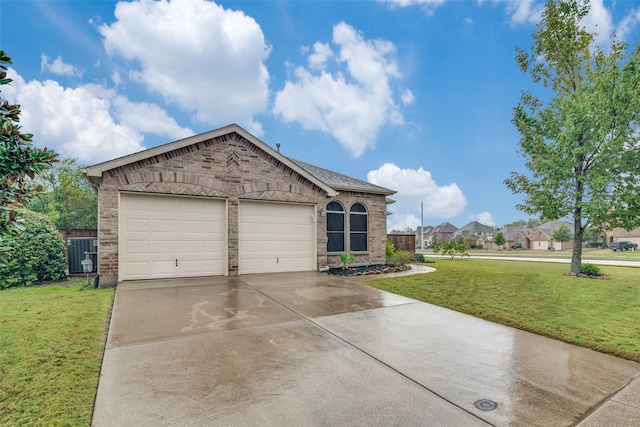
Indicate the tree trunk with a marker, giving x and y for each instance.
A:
(576, 258)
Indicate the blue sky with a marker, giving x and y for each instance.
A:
(415, 96)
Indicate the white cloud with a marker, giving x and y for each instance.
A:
(407, 97)
(351, 103)
(402, 222)
(628, 23)
(58, 66)
(524, 11)
(414, 187)
(484, 218)
(81, 122)
(208, 59)
(321, 54)
(600, 21)
(428, 5)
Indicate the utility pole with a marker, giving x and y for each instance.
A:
(422, 225)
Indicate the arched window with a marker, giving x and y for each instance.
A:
(335, 227)
(358, 226)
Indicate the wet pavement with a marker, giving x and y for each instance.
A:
(310, 349)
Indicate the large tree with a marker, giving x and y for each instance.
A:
(582, 146)
(20, 163)
(68, 200)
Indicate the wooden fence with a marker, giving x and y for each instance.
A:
(403, 242)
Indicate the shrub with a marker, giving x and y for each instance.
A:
(417, 257)
(590, 270)
(401, 257)
(36, 254)
(347, 260)
(390, 250)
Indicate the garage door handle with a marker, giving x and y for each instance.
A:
(176, 263)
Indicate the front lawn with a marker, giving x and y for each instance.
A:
(600, 314)
(51, 345)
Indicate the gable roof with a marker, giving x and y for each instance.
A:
(549, 227)
(329, 181)
(474, 227)
(445, 227)
(510, 232)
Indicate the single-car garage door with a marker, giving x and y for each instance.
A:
(276, 237)
(170, 236)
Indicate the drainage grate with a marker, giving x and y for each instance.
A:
(486, 405)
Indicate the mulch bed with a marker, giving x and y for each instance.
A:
(368, 269)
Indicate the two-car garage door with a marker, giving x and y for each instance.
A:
(171, 236)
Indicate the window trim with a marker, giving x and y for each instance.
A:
(358, 232)
(344, 226)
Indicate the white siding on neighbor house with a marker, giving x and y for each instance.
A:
(171, 236)
(276, 237)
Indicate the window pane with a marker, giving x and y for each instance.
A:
(358, 242)
(335, 242)
(358, 207)
(358, 222)
(335, 222)
(335, 206)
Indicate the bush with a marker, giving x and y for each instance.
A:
(391, 250)
(417, 257)
(590, 270)
(401, 258)
(36, 254)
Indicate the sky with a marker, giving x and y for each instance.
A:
(413, 95)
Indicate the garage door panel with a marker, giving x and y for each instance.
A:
(158, 230)
(276, 237)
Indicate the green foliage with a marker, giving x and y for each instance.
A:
(499, 239)
(347, 260)
(451, 248)
(37, 253)
(583, 147)
(417, 257)
(20, 163)
(469, 242)
(68, 199)
(401, 258)
(562, 234)
(590, 270)
(391, 249)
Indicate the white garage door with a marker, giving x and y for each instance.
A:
(540, 245)
(276, 237)
(169, 236)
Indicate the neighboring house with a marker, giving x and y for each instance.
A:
(427, 235)
(442, 232)
(542, 238)
(225, 203)
(515, 237)
(620, 234)
(480, 233)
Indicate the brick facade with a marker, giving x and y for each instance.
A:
(228, 167)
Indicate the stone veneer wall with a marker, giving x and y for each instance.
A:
(228, 167)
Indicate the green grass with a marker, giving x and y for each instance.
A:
(600, 314)
(587, 253)
(51, 346)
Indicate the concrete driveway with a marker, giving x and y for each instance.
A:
(309, 349)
